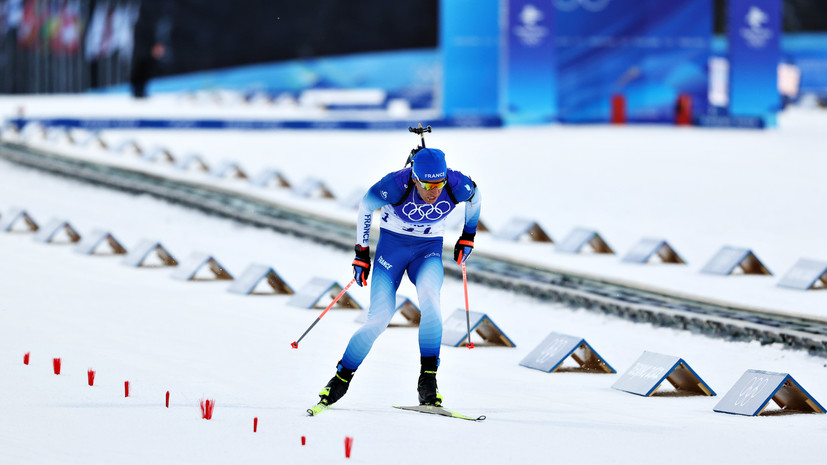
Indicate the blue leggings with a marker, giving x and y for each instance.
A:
(395, 254)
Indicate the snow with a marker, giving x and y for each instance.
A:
(699, 189)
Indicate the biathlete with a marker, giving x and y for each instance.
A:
(414, 203)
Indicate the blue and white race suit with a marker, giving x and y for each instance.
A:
(410, 240)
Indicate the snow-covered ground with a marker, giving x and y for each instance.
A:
(699, 189)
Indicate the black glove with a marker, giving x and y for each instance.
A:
(361, 265)
(464, 246)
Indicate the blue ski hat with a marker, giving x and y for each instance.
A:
(429, 164)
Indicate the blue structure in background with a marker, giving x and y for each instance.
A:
(650, 51)
(530, 63)
(469, 38)
(754, 52)
(409, 74)
(809, 53)
(527, 62)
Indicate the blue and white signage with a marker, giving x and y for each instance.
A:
(729, 258)
(754, 52)
(754, 390)
(469, 42)
(550, 354)
(806, 274)
(531, 78)
(579, 238)
(455, 329)
(652, 369)
(312, 293)
(650, 52)
(254, 275)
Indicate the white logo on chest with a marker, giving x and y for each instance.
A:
(418, 212)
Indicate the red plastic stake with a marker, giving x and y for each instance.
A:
(26, 358)
(56, 364)
(90, 375)
(683, 115)
(167, 399)
(207, 407)
(255, 424)
(304, 440)
(348, 445)
(126, 388)
(618, 109)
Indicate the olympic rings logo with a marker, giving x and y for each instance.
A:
(755, 385)
(589, 5)
(418, 212)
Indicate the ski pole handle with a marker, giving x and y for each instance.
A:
(295, 344)
(470, 344)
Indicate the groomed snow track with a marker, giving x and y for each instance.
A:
(622, 300)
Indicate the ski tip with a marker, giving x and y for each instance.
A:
(438, 410)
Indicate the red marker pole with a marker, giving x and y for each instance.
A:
(470, 344)
(167, 403)
(56, 365)
(26, 358)
(304, 440)
(207, 407)
(126, 388)
(255, 424)
(295, 344)
(90, 376)
(348, 446)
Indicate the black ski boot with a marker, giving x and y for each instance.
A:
(428, 392)
(337, 386)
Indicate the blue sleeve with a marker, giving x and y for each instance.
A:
(389, 189)
(465, 190)
(386, 191)
(472, 212)
(462, 186)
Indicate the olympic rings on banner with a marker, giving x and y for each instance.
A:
(589, 5)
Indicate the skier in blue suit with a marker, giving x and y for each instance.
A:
(414, 204)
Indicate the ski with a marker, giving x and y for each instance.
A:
(317, 409)
(434, 410)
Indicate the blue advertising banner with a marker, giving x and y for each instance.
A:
(754, 31)
(649, 51)
(469, 41)
(98, 124)
(531, 66)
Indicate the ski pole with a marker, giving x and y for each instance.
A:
(295, 344)
(470, 344)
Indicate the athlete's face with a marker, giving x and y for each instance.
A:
(428, 195)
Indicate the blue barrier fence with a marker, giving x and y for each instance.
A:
(95, 124)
